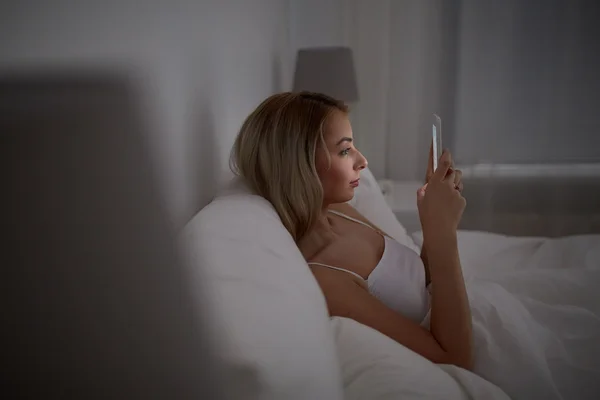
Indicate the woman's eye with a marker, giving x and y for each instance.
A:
(345, 152)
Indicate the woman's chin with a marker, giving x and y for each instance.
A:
(341, 196)
(349, 195)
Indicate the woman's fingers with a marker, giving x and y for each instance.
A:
(446, 172)
(443, 166)
(457, 176)
(451, 178)
(429, 170)
(458, 180)
(421, 192)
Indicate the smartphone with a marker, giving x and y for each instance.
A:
(436, 137)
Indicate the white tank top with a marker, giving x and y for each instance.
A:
(398, 280)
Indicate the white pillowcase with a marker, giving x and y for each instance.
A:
(376, 367)
(271, 325)
(270, 320)
(370, 202)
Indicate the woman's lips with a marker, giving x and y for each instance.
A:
(354, 183)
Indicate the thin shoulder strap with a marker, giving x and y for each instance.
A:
(350, 218)
(338, 269)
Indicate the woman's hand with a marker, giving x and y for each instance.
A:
(458, 185)
(439, 202)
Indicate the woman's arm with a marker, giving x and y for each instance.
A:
(440, 210)
(424, 248)
(458, 186)
(450, 312)
(347, 298)
(425, 264)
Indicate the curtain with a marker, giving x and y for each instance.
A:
(516, 85)
(514, 81)
(528, 89)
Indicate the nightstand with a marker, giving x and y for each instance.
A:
(401, 196)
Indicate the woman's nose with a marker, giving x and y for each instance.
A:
(362, 162)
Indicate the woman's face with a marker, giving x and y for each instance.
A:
(341, 177)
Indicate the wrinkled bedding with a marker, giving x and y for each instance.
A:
(375, 367)
(535, 304)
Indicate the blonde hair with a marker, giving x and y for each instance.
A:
(275, 152)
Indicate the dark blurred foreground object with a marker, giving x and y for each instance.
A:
(95, 303)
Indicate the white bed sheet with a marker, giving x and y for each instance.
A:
(375, 367)
(535, 304)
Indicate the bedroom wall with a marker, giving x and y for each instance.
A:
(201, 65)
(316, 23)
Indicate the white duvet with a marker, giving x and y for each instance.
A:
(535, 305)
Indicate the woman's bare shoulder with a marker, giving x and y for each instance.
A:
(349, 211)
(353, 212)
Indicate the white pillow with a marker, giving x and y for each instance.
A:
(271, 323)
(376, 367)
(370, 202)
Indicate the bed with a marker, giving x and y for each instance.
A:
(535, 310)
(534, 299)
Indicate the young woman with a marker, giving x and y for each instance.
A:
(530, 326)
(297, 151)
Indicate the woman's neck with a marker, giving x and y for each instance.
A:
(319, 236)
(323, 222)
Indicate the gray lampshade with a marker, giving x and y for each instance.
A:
(328, 70)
